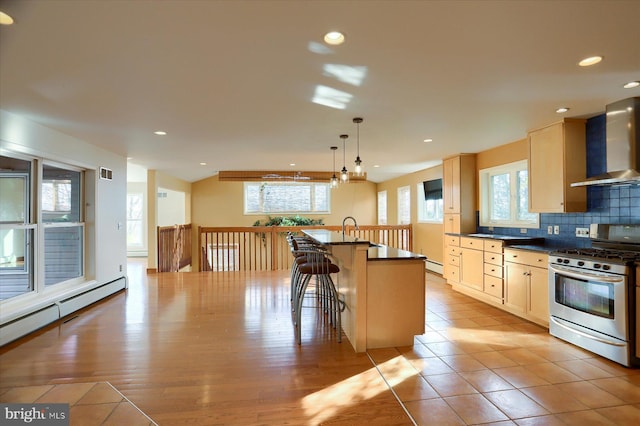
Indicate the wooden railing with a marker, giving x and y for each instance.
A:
(174, 247)
(265, 248)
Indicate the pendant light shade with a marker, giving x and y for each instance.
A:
(344, 174)
(358, 171)
(334, 180)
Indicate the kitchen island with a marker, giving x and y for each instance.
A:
(383, 289)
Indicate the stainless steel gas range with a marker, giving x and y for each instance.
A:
(593, 294)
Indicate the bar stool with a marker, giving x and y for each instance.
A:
(317, 265)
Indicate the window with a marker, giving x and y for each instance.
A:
(63, 227)
(504, 197)
(135, 216)
(16, 228)
(40, 235)
(430, 204)
(280, 198)
(382, 208)
(404, 205)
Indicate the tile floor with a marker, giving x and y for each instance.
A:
(90, 404)
(478, 365)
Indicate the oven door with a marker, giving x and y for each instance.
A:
(592, 300)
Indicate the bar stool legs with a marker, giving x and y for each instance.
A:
(311, 262)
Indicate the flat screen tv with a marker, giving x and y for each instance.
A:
(432, 189)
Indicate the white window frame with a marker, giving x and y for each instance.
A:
(314, 208)
(485, 197)
(382, 208)
(404, 211)
(36, 225)
(422, 207)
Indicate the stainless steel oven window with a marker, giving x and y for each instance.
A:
(592, 297)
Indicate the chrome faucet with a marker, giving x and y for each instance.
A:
(345, 219)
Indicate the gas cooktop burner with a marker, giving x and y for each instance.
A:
(597, 253)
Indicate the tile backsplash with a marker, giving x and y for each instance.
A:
(605, 204)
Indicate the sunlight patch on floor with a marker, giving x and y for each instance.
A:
(326, 403)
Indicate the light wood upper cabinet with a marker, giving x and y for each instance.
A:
(451, 223)
(451, 185)
(557, 158)
(459, 192)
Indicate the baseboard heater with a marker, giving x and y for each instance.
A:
(33, 321)
(434, 266)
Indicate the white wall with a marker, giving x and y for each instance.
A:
(171, 207)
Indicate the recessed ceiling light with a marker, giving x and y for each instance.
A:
(428, 140)
(376, 165)
(562, 110)
(129, 158)
(203, 164)
(631, 84)
(292, 164)
(160, 133)
(5, 19)
(592, 60)
(334, 38)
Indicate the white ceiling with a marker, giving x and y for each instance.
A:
(233, 82)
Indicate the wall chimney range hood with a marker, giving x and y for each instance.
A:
(622, 146)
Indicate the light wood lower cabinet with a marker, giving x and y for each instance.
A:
(472, 268)
(452, 259)
(481, 269)
(526, 284)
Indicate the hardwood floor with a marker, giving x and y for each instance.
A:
(219, 349)
(208, 348)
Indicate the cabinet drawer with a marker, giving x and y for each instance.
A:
(532, 258)
(493, 258)
(453, 274)
(474, 243)
(453, 260)
(454, 251)
(451, 240)
(493, 286)
(493, 246)
(493, 270)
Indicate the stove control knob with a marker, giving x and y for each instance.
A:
(597, 265)
(559, 260)
(565, 261)
(606, 267)
(580, 263)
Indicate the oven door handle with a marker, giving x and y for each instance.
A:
(586, 275)
(587, 335)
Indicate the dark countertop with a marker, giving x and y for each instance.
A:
(332, 238)
(533, 247)
(508, 240)
(375, 251)
(381, 252)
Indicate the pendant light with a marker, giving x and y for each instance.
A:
(358, 171)
(344, 174)
(334, 180)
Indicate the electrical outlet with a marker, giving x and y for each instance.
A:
(523, 230)
(556, 229)
(582, 232)
(550, 230)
